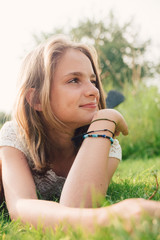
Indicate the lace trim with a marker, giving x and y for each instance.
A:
(115, 150)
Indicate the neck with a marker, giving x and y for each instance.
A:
(63, 146)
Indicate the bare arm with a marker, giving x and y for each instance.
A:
(21, 198)
(88, 175)
(22, 201)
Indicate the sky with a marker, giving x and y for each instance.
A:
(20, 19)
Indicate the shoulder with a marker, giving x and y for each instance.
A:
(10, 136)
(115, 150)
(8, 130)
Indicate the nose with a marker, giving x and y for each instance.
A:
(91, 90)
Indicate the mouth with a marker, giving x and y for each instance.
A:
(89, 105)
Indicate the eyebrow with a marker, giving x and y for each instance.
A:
(79, 74)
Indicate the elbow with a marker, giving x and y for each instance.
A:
(13, 216)
(16, 209)
(13, 213)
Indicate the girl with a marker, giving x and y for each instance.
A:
(61, 142)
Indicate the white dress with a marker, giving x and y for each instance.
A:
(48, 185)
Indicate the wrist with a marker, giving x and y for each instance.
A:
(104, 119)
(107, 113)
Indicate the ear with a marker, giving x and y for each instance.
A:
(29, 97)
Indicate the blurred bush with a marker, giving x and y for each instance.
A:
(141, 110)
(3, 118)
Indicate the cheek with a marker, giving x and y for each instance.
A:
(62, 103)
(64, 99)
(98, 97)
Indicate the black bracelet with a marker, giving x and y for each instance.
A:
(99, 119)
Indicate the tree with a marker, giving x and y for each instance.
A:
(122, 56)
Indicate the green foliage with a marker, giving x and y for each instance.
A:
(141, 110)
(3, 118)
(121, 53)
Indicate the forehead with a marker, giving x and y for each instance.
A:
(74, 60)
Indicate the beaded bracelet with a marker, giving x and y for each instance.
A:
(99, 135)
(81, 135)
(101, 130)
(99, 119)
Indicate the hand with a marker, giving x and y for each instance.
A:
(121, 125)
(127, 212)
(131, 211)
(151, 207)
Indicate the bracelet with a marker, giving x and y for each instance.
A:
(81, 135)
(99, 135)
(99, 119)
(100, 130)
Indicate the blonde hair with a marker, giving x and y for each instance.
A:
(37, 72)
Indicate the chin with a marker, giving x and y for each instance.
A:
(86, 122)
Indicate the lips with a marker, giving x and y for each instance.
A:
(89, 105)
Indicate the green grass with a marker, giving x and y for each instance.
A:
(134, 178)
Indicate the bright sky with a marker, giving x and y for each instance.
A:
(19, 19)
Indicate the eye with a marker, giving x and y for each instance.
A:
(73, 80)
(94, 82)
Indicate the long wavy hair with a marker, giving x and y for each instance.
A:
(37, 72)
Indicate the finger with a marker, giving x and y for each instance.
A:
(117, 133)
(125, 131)
(124, 128)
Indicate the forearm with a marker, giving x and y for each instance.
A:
(88, 174)
(51, 214)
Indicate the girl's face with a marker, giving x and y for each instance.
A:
(74, 96)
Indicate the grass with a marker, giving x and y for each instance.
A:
(134, 178)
